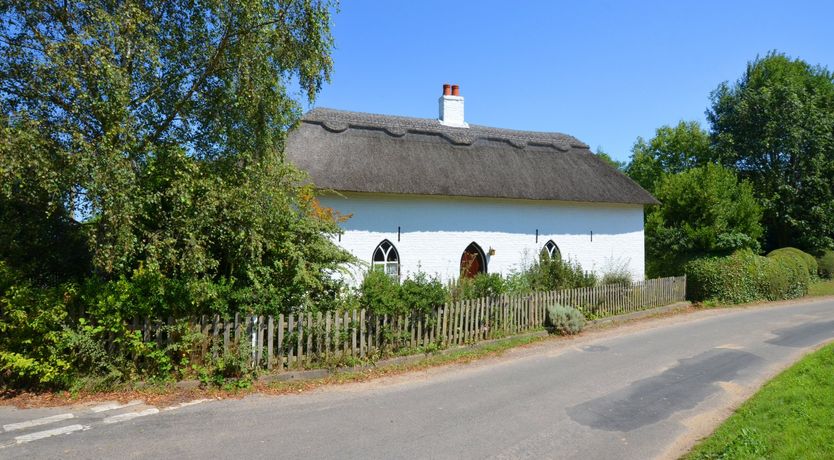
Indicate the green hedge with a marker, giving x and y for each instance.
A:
(747, 277)
(806, 258)
(826, 264)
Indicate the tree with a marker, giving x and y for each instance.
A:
(154, 130)
(619, 165)
(775, 126)
(670, 151)
(705, 210)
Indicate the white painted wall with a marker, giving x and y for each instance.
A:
(434, 231)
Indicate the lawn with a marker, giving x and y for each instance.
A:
(824, 287)
(791, 417)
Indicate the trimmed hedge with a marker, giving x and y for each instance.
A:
(826, 264)
(806, 258)
(747, 277)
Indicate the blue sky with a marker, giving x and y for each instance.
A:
(605, 72)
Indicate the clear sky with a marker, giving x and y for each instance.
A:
(603, 71)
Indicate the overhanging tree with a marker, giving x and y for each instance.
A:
(159, 125)
(775, 126)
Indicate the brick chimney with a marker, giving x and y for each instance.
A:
(451, 107)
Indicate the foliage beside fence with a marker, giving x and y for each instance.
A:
(347, 337)
(747, 277)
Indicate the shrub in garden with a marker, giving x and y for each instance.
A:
(616, 272)
(488, 285)
(419, 293)
(380, 294)
(550, 274)
(564, 320)
(517, 282)
(461, 289)
(422, 294)
(826, 264)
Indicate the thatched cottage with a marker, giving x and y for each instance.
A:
(452, 199)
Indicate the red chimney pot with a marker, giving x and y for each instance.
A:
(446, 90)
(455, 90)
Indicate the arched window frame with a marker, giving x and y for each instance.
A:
(552, 250)
(481, 255)
(390, 259)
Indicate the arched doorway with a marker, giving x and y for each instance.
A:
(472, 261)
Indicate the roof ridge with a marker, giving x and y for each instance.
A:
(337, 120)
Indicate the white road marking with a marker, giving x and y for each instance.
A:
(130, 415)
(186, 404)
(47, 433)
(114, 406)
(36, 422)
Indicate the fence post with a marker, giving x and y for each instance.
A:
(269, 342)
(363, 333)
(281, 342)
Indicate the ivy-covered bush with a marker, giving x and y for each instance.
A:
(563, 320)
(826, 264)
(747, 277)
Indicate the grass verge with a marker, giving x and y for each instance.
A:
(820, 288)
(791, 417)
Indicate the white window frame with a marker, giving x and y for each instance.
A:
(552, 249)
(389, 267)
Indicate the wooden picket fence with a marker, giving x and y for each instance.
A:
(306, 339)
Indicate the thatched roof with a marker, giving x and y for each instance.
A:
(359, 152)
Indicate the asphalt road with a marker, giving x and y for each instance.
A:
(639, 391)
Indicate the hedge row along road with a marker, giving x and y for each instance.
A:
(645, 390)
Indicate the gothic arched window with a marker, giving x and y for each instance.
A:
(551, 250)
(386, 259)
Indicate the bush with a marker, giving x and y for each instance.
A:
(517, 282)
(380, 294)
(826, 264)
(383, 295)
(785, 277)
(488, 285)
(564, 320)
(422, 294)
(747, 277)
(616, 272)
(32, 322)
(807, 259)
(551, 274)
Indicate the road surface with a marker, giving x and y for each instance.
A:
(643, 390)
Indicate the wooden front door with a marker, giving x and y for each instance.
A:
(472, 261)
